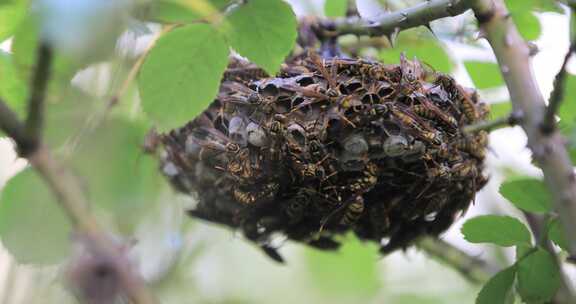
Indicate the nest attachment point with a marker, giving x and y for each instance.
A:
(329, 146)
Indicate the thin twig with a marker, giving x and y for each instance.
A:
(557, 94)
(39, 82)
(549, 152)
(512, 119)
(417, 15)
(10, 124)
(474, 270)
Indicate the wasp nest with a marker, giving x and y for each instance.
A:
(330, 146)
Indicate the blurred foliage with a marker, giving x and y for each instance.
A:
(178, 79)
(11, 14)
(32, 225)
(355, 277)
(485, 75)
(419, 43)
(335, 8)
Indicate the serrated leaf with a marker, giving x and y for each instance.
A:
(500, 230)
(264, 31)
(538, 277)
(421, 44)
(528, 194)
(556, 234)
(32, 226)
(498, 290)
(354, 260)
(484, 74)
(120, 178)
(335, 8)
(500, 109)
(181, 74)
(11, 14)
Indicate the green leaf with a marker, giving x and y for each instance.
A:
(498, 290)
(538, 277)
(264, 31)
(32, 225)
(182, 74)
(501, 109)
(335, 8)
(11, 14)
(12, 89)
(528, 194)
(500, 230)
(421, 44)
(120, 178)
(356, 274)
(484, 74)
(556, 234)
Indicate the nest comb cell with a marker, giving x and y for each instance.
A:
(329, 146)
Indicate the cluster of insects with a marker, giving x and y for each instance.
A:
(329, 146)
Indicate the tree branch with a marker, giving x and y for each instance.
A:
(474, 270)
(389, 23)
(557, 94)
(39, 82)
(512, 119)
(513, 55)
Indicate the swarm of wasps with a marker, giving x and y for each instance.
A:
(328, 146)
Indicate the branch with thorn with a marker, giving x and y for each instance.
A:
(390, 24)
(65, 186)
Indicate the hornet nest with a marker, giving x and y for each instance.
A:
(329, 146)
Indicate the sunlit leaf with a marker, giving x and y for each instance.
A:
(498, 290)
(11, 14)
(500, 230)
(528, 194)
(484, 74)
(538, 277)
(182, 74)
(264, 31)
(120, 178)
(335, 8)
(556, 234)
(567, 111)
(356, 273)
(32, 226)
(12, 89)
(421, 44)
(501, 109)
(180, 11)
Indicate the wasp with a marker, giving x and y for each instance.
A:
(429, 110)
(353, 211)
(415, 125)
(470, 146)
(243, 197)
(330, 76)
(412, 72)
